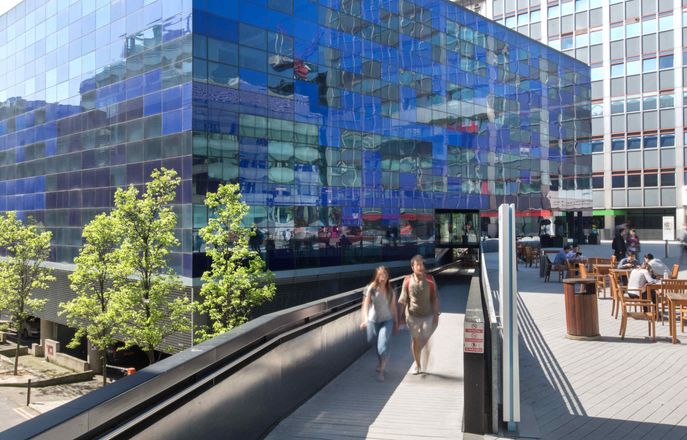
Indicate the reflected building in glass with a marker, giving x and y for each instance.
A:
(348, 124)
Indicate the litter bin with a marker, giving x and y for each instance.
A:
(581, 310)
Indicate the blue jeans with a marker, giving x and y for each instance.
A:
(382, 331)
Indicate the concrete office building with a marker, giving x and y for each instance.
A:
(360, 131)
(635, 50)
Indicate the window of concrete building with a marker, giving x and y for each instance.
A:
(567, 43)
(598, 181)
(648, 7)
(595, 37)
(617, 86)
(665, 40)
(668, 196)
(618, 161)
(581, 40)
(554, 11)
(667, 141)
(598, 198)
(510, 6)
(597, 126)
(634, 196)
(665, 5)
(567, 8)
(581, 21)
(535, 31)
(649, 121)
(553, 27)
(633, 104)
(597, 90)
(617, 106)
(498, 7)
(567, 24)
(617, 50)
(617, 70)
(665, 62)
(649, 103)
(650, 196)
(618, 181)
(649, 43)
(632, 48)
(649, 64)
(595, 18)
(634, 180)
(634, 143)
(535, 16)
(598, 163)
(618, 144)
(632, 9)
(617, 13)
(668, 179)
(618, 199)
(634, 85)
(650, 179)
(597, 109)
(634, 121)
(523, 30)
(582, 55)
(618, 123)
(667, 119)
(649, 82)
(596, 54)
(667, 79)
(666, 100)
(523, 19)
(650, 159)
(617, 33)
(650, 142)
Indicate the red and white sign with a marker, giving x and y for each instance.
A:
(473, 341)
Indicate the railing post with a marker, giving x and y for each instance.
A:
(475, 389)
(509, 314)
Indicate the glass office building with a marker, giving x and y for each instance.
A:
(637, 52)
(348, 124)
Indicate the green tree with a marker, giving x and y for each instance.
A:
(147, 311)
(96, 273)
(22, 271)
(237, 280)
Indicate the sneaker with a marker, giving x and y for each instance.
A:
(416, 370)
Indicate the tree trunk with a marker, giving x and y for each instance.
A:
(16, 354)
(151, 357)
(103, 360)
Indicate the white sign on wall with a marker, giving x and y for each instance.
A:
(473, 341)
(668, 228)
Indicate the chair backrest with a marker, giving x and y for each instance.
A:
(583, 270)
(614, 260)
(615, 289)
(674, 286)
(675, 272)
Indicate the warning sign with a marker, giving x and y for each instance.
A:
(473, 341)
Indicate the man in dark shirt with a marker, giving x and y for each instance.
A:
(619, 246)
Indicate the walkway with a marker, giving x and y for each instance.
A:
(355, 405)
(605, 389)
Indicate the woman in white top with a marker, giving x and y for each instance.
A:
(638, 279)
(379, 315)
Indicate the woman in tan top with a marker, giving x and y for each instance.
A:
(421, 304)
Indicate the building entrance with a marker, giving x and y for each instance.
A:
(456, 228)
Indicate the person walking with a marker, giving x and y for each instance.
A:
(618, 245)
(632, 242)
(379, 316)
(420, 302)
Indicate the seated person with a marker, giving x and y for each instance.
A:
(628, 262)
(639, 278)
(575, 255)
(562, 256)
(656, 266)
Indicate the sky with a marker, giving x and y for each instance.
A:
(6, 5)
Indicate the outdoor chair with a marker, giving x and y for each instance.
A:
(572, 272)
(554, 268)
(675, 272)
(672, 286)
(635, 308)
(614, 261)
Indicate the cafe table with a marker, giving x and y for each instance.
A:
(675, 301)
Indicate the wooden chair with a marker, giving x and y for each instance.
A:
(614, 261)
(554, 268)
(582, 270)
(675, 272)
(572, 271)
(672, 286)
(635, 308)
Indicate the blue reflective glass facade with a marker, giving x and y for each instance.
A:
(346, 123)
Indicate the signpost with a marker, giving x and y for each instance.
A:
(508, 287)
(668, 230)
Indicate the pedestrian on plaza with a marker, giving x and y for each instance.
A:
(420, 301)
(632, 242)
(379, 316)
(618, 245)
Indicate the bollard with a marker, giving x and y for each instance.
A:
(666, 248)
(28, 392)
